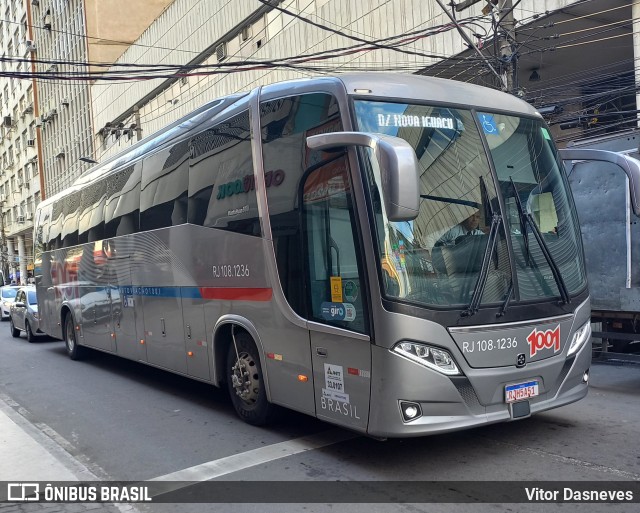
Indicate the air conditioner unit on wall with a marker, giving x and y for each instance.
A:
(20, 219)
(221, 52)
(39, 121)
(31, 142)
(7, 121)
(29, 46)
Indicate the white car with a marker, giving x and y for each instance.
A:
(7, 296)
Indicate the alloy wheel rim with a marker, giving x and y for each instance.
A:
(245, 379)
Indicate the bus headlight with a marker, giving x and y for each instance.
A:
(433, 357)
(580, 337)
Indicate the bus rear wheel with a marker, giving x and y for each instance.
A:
(245, 381)
(75, 351)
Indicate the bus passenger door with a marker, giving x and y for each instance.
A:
(339, 328)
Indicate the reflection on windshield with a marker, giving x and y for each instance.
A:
(530, 174)
(436, 259)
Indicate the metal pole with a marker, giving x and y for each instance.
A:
(509, 68)
(4, 264)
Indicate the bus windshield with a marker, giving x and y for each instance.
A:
(471, 230)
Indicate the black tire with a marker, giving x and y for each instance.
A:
(249, 398)
(75, 351)
(15, 332)
(27, 329)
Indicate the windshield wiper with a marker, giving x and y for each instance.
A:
(489, 249)
(503, 309)
(527, 218)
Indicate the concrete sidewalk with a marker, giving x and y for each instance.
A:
(28, 455)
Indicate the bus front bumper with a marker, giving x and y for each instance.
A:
(452, 403)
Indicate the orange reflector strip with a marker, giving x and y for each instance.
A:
(189, 353)
(303, 378)
(142, 341)
(270, 355)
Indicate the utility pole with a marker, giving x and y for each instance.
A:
(508, 53)
(4, 264)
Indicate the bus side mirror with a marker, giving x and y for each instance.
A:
(398, 168)
(629, 165)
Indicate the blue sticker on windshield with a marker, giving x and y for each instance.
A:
(488, 124)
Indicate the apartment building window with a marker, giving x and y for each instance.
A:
(36, 199)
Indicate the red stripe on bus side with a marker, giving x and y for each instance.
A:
(236, 293)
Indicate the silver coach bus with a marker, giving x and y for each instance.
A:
(399, 255)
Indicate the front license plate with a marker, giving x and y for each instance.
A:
(520, 391)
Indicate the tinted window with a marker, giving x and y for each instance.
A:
(56, 226)
(221, 182)
(70, 211)
(31, 295)
(122, 208)
(91, 222)
(165, 178)
(285, 125)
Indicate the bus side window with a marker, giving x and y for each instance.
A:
(303, 221)
(284, 123)
(70, 211)
(165, 181)
(56, 226)
(122, 208)
(91, 216)
(221, 183)
(336, 293)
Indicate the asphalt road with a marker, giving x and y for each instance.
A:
(126, 421)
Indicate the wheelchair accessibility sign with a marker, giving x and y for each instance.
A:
(488, 124)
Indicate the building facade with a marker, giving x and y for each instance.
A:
(564, 50)
(20, 176)
(48, 47)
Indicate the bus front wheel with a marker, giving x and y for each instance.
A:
(246, 382)
(75, 351)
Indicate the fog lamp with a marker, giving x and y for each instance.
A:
(410, 411)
